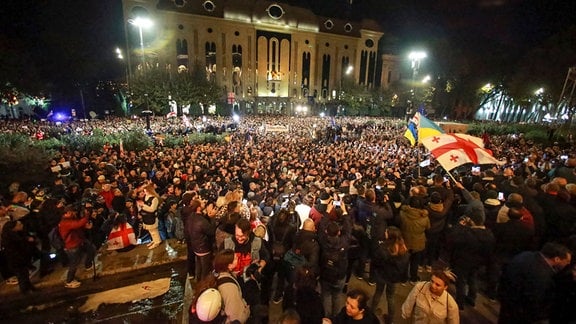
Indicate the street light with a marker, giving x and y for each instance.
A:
(120, 56)
(539, 91)
(141, 22)
(415, 57)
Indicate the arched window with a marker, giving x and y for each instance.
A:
(210, 48)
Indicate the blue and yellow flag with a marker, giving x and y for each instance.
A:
(411, 133)
(420, 127)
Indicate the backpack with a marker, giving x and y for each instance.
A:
(278, 248)
(292, 261)
(332, 264)
(55, 238)
(217, 317)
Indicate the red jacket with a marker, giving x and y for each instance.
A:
(108, 197)
(72, 232)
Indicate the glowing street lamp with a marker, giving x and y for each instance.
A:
(120, 56)
(415, 57)
(539, 91)
(141, 22)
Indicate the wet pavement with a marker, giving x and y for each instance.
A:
(108, 263)
(484, 312)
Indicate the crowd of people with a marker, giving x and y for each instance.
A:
(290, 217)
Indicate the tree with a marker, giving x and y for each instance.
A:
(152, 86)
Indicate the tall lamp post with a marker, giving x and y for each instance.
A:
(121, 57)
(141, 22)
(415, 58)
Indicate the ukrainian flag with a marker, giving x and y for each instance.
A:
(411, 133)
(427, 128)
(421, 127)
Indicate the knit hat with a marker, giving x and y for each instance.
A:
(476, 216)
(435, 197)
(268, 211)
(491, 194)
(324, 198)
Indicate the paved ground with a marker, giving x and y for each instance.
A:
(110, 263)
(485, 311)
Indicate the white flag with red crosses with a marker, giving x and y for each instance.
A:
(454, 150)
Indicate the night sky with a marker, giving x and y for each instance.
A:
(67, 41)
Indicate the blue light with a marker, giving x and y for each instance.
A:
(60, 116)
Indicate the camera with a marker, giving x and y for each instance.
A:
(252, 271)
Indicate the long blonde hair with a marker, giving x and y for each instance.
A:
(151, 190)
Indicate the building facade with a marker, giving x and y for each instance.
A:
(268, 56)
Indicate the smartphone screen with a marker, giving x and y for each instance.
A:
(500, 196)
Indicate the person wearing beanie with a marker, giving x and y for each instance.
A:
(516, 200)
(491, 207)
(512, 237)
(321, 208)
(438, 210)
(470, 246)
(473, 202)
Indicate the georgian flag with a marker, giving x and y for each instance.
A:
(454, 150)
(121, 237)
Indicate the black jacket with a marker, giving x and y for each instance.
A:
(309, 248)
(389, 268)
(470, 247)
(201, 232)
(17, 249)
(512, 238)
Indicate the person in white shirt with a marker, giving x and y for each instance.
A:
(430, 302)
(303, 209)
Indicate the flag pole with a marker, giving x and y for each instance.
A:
(450, 174)
(418, 159)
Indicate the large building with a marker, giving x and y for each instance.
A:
(268, 56)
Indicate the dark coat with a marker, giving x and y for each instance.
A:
(559, 215)
(438, 215)
(343, 318)
(389, 268)
(470, 247)
(309, 248)
(512, 238)
(527, 289)
(201, 232)
(17, 249)
(383, 215)
(308, 304)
